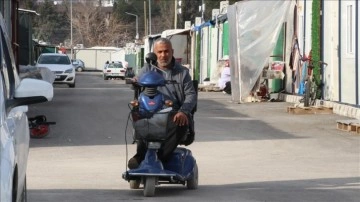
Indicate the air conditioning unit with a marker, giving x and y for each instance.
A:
(187, 25)
(215, 12)
(223, 6)
(130, 45)
(79, 46)
(197, 21)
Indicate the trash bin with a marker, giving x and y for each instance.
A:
(276, 84)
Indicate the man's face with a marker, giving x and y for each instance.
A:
(164, 53)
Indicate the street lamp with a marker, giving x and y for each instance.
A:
(137, 25)
(202, 10)
(177, 11)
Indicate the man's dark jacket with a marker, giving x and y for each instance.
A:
(181, 92)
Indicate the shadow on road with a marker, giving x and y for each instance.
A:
(320, 190)
(99, 117)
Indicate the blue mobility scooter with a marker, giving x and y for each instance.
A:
(152, 123)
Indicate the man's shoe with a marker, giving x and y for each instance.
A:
(133, 163)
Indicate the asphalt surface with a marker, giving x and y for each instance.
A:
(245, 152)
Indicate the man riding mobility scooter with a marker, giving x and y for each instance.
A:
(152, 122)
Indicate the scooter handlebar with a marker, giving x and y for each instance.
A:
(171, 82)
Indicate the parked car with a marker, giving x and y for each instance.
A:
(78, 64)
(60, 65)
(114, 69)
(15, 95)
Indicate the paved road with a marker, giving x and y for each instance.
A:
(245, 152)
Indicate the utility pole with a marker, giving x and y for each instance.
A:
(145, 19)
(202, 10)
(175, 17)
(71, 30)
(177, 11)
(149, 17)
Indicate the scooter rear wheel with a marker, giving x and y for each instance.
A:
(193, 182)
(149, 186)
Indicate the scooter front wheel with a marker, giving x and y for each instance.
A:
(149, 186)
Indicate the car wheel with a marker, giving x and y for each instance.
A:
(14, 187)
(72, 85)
(106, 78)
(23, 196)
(79, 69)
(24, 192)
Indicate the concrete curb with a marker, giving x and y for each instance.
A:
(340, 109)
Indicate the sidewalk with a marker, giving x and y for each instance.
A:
(340, 109)
(337, 117)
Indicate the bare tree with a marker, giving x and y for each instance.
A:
(117, 34)
(165, 17)
(95, 26)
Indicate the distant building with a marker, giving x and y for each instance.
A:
(107, 3)
(104, 3)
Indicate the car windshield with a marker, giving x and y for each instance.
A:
(54, 59)
(115, 65)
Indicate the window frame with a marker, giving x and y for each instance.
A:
(350, 29)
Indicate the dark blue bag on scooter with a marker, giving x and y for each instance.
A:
(158, 127)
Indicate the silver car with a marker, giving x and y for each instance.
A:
(15, 95)
(78, 64)
(60, 65)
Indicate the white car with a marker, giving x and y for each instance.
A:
(114, 70)
(60, 65)
(15, 95)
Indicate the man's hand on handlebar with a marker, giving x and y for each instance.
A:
(181, 119)
(134, 82)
